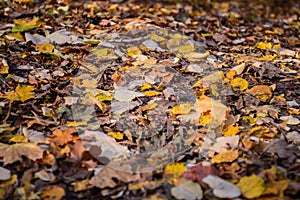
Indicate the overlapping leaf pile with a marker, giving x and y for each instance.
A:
(247, 139)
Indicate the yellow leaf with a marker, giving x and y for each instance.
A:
(132, 51)
(261, 92)
(6, 185)
(230, 75)
(276, 47)
(151, 93)
(22, 93)
(231, 131)
(156, 38)
(146, 86)
(205, 119)
(25, 92)
(252, 186)
(149, 106)
(182, 109)
(53, 192)
(267, 58)
(76, 124)
(186, 48)
(44, 48)
(18, 139)
(276, 188)
(239, 84)
(196, 56)
(225, 156)
(175, 169)
(264, 46)
(116, 135)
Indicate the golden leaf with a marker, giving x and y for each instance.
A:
(53, 192)
(151, 93)
(44, 48)
(116, 135)
(182, 109)
(175, 169)
(264, 46)
(132, 51)
(225, 156)
(252, 186)
(239, 84)
(231, 131)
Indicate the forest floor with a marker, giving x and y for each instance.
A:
(129, 99)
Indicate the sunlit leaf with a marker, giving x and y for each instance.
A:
(264, 45)
(251, 186)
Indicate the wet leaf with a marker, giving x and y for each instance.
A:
(225, 156)
(251, 186)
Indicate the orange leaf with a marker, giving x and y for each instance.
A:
(261, 92)
(62, 136)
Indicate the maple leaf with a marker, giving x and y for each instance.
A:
(21, 93)
(14, 152)
(62, 136)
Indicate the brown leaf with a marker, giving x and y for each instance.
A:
(105, 177)
(14, 152)
(261, 92)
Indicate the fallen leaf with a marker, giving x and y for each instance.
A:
(44, 48)
(132, 51)
(14, 152)
(53, 192)
(264, 45)
(239, 84)
(175, 170)
(151, 93)
(187, 190)
(105, 177)
(252, 186)
(3, 67)
(62, 137)
(225, 156)
(231, 130)
(198, 172)
(82, 185)
(182, 109)
(222, 188)
(261, 92)
(116, 135)
(4, 174)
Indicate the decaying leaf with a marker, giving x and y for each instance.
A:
(222, 188)
(14, 152)
(187, 190)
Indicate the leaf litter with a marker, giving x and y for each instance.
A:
(226, 79)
